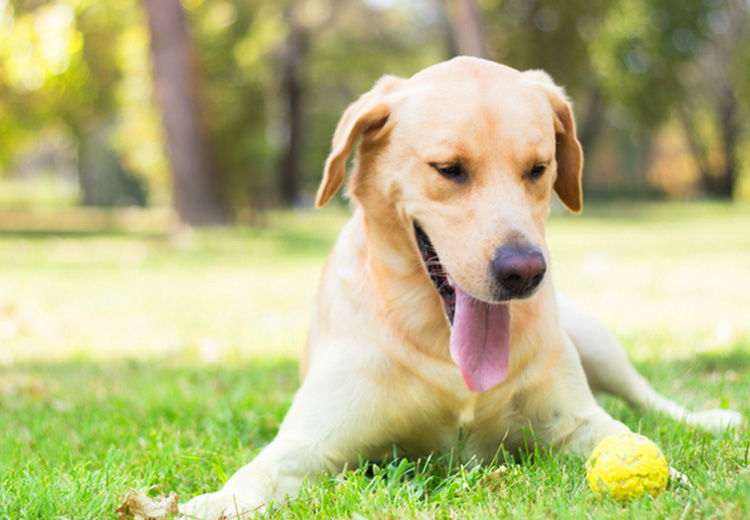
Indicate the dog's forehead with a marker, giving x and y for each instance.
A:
(464, 67)
(471, 99)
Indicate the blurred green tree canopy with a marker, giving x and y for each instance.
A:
(661, 87)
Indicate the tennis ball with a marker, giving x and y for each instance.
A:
(625, 466)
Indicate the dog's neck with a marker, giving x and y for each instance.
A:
(404, 289)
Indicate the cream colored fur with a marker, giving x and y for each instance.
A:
(377, 372)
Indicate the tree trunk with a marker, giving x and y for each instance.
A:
(717, 180)
(696, 146)
(729, 124)
(466, 26)
(718, 84)
(293, 54)
(194, 178)
(590, 127)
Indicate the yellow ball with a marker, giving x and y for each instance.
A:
(625, 466)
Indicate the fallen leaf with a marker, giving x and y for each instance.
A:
(137, 506)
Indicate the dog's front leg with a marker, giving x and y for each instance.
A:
(562, 410)
(326, 429)
(586, 428)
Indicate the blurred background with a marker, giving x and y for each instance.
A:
(127, 126)
(223, 109)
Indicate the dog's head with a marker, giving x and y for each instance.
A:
(468, 152)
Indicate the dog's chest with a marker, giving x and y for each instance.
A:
(477, 424)
(467, 413)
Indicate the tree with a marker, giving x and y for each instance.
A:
(196, 184)
(466, 28)
(714, 105)
(293, 55)
(59, 76)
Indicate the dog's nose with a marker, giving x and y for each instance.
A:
(518, 269)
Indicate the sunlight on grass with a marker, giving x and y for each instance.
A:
(672, 280)
(207, 295)
(134, 356)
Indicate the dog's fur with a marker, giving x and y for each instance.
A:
(377, 372)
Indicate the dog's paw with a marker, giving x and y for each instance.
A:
(716, 420)
(205, 507)
(222, 505)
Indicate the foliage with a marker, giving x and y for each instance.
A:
(639, 50)
(73, 68)
(522, 33)
(78, 67)
(236, 42)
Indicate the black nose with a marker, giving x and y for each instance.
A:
(518, 269)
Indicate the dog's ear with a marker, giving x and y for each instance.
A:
(568, 154)
(362, 118)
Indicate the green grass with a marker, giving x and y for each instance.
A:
(135, 359)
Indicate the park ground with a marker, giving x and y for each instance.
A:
(136, 357)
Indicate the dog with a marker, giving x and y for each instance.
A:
(436, 311)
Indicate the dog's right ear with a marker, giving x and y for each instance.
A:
(363, 117)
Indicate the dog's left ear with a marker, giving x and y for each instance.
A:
(362, 118)
(568, 154)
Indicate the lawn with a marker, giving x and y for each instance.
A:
(134, 357)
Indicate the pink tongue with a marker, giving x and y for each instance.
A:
(480, 341)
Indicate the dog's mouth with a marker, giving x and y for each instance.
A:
(480, 331)
(438, 274)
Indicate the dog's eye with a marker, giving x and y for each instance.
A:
(450, 171)
(537, 171)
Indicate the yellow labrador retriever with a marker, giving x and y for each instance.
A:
(436, 310)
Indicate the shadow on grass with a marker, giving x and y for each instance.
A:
(291, 241)
(266, 386)
(281, 375)
(147, 388)
(650, 210)
(286, 234)
(735, 360)
(154, 373)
